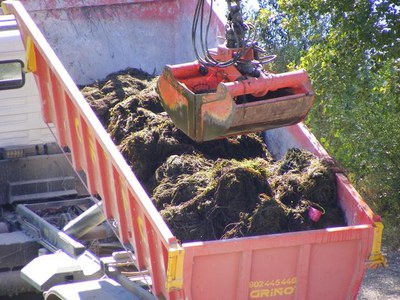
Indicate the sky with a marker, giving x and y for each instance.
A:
(251, 4)
(246, 3)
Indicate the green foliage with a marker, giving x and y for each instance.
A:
(351, 52)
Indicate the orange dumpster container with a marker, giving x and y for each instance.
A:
(318, 264)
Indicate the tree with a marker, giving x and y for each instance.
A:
(351, 52)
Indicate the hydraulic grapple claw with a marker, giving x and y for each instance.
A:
(211, 103)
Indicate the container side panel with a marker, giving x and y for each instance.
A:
(41, 78)
(158, 270)
(319, 264)
(90, 158)
(297, 136)
(134, 218)
(59, 103)
(215, 276)
(274, 273)
(97, 152)
(326, 262)
(355, 209)
(119, 207)
(107, 191)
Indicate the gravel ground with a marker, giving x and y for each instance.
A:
(383, 283)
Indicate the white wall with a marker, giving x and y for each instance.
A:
(110, 35)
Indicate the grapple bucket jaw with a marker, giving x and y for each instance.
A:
(206, 104)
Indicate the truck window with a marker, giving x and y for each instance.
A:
(12, 74)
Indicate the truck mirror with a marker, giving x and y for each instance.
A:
(12, 75)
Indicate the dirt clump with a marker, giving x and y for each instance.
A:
(105, 94)
(220, 189)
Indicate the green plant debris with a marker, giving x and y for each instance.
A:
(221, 189)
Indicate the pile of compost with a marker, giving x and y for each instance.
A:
(213, 190)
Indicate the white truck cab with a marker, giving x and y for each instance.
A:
(20, 108)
